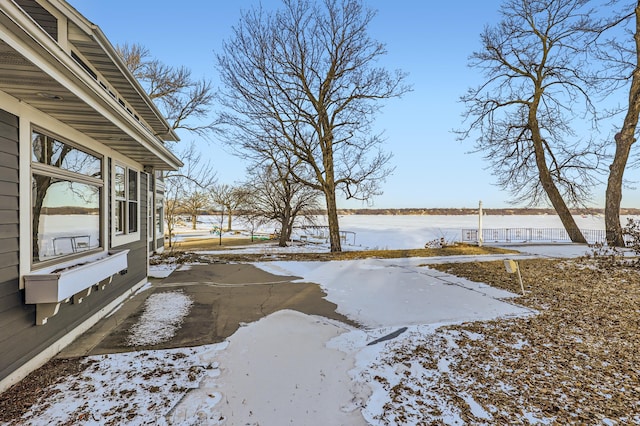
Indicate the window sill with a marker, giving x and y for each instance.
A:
(47, 290)
(122, 239)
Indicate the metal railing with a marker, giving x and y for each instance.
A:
(532, 234)
(321, 232)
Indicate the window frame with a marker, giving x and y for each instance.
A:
(125, 234)
(59, 173)
(158, 208)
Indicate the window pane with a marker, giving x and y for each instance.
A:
(119, 183)
(133, 217)
(49, 151)
(119, 216)
(159, 214)
(133, 185)
(150, 214)
(80, 162)
(38, 143)
(66, 217)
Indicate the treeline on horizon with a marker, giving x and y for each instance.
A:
(449, 211)
(471, 211)
(69, 210)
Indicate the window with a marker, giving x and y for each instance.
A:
(132, 200)
(126, 202)
(159, 209)
(150, 228)
(66, 198)
(159, 218)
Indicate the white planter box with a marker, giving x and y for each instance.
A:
(49, 289)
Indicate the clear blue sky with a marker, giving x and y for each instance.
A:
(429, 40)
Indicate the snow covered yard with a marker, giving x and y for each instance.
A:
(431, 348)
(286, 366)
(573, 362)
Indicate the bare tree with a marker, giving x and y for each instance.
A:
(254, 219)
(621, 54)
(182, 99)
(171, 210)
(230, 198)
(193, 204)
(277, 195)
(536, 84)
(220, 214)
(306, 78)
(194, 176)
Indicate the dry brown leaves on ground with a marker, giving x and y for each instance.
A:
(37, 386)
(576, 362)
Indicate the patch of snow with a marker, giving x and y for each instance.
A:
(162, 316)
(280, 370)
(535, 420)
(146, 286)
(376, 293)
(162, 270)
(476, 409)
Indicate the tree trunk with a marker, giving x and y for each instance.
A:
(332, 217)
(229, 221)
(613, 197)
(42, 186)
(283, 237)
(289, 229)
(37, 209)
(624, 140)
(194, 219)
(285, 227)
(220, 230)
(565, 215)
(549, 185)
(329, 188)
(560, 207)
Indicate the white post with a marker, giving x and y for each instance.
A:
(512, 267)
(480, 239)
(520, 279)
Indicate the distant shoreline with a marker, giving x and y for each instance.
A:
(474, 211)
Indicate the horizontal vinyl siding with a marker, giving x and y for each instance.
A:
(9, 200)
(13, 313)
(8, 160)
(10, 299)
(47, 21)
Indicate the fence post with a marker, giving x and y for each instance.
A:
(480, 237)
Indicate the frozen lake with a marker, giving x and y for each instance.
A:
(413, 231)
(385, 231)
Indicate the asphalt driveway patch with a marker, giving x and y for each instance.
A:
(225, 296)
